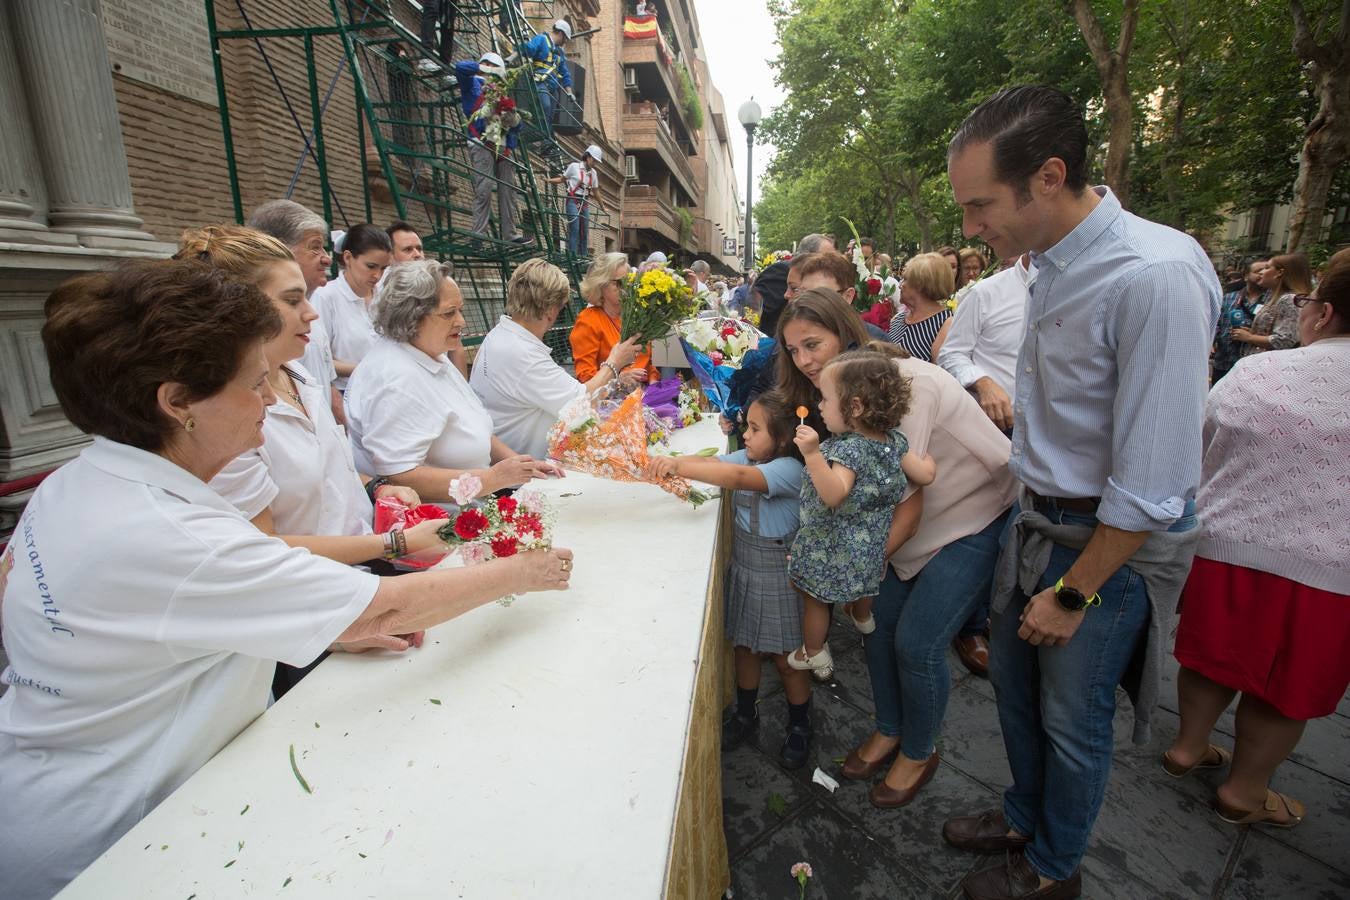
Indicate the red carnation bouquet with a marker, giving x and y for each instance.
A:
(480, 530)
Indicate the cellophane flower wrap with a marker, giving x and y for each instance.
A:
(653, 302)
(611, 443)
(390, 513)
(715, 348)
(497, 527)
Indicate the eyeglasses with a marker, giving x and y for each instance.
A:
(1302, 300)
(617, 282)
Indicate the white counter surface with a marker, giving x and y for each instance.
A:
(549, 768)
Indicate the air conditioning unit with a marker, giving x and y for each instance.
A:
(630, 171)
(630, 82)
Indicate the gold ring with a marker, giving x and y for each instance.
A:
(566, 565)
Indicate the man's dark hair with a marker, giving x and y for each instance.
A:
(398, 225)
(867, 242)
(1028, 124)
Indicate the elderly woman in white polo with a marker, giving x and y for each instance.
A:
(142, 613)
(514, 374)
(413, 418)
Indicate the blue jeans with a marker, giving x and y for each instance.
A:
(545, 92)
(916, 620)
(578, 225)
(1056, 706)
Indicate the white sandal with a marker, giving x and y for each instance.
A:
(821, 664)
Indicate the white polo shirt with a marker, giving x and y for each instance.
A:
(304, 470)
(142, 618)
(406, 409)
(521, 387)
(987, 330)
(318, 358)
(351, 332)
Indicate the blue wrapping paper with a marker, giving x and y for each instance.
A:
(716, 381)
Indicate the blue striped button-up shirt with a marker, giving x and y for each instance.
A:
(1113, 370)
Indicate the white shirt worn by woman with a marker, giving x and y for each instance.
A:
(304, 469)
(351, 331)
(521, 386)
(143, 616)
(318, 358)
(406, 409)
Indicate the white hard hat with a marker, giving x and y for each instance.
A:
(594, 153)
(561, 25)
(657, 257)
(492, 63)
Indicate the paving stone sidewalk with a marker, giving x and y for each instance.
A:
(1156, 836)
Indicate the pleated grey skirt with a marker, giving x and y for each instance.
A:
(764, 613)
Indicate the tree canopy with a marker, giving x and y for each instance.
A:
(1217, 105)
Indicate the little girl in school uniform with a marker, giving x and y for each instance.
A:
(855, 480)
(763, 613)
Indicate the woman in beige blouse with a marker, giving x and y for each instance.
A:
(1275, 326)
(942, 547)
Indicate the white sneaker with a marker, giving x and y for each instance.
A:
(428, 66)
(821, 665)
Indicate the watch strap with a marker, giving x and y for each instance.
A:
(1094, 600)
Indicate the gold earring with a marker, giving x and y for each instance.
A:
(189, 424)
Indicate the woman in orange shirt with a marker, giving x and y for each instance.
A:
(597, 327)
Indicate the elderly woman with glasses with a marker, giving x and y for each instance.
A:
(1266, 611)
(598, 326)
(514, 374)
(413, 418)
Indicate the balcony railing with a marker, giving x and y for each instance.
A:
(643, 129)
(646, 207)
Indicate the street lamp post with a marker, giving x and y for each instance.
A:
(749, 114)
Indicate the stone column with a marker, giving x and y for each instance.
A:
(64, 63)
(23, 204)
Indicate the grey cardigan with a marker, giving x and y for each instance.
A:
(1163, 562)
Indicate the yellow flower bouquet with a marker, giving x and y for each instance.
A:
(653, 302)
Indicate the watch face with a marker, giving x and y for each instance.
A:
(1071, 599)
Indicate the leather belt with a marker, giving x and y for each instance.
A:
(1040, 502)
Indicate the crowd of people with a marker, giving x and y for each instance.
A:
(1038, 475)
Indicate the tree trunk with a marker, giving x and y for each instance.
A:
(1326, 142)
(1113, 68)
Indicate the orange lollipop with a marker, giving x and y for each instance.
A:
(802, 413)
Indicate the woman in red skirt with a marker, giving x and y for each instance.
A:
(1266, 612)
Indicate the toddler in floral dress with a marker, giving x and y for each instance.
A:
(856, 478)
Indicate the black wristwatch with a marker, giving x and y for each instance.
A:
(1072, 599)
(374, 485)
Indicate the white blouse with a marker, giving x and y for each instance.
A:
(521, 386)
(406, 409)
(304, 470)
(142, 618)
(351, 331)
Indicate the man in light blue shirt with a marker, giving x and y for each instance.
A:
(1108, 409)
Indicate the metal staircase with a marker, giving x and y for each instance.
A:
(409, 114)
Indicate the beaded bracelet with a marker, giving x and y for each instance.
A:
(613, 370)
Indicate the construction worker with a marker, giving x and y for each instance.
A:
(494, 133)
(548, 68)
(582, 182)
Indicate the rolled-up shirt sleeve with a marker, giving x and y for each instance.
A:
(957, 353)
(1161, 326)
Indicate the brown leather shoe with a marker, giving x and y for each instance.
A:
(1015, 879)
(985, 832)
(883, 796)
(858, 769)
(974, 653)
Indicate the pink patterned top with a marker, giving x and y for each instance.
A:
(1275, 490)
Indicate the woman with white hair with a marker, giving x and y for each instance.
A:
(413, 418)
(598, 326)
(521, 386)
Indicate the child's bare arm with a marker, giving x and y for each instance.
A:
(832, 480)
(920, 470)
(710, 471)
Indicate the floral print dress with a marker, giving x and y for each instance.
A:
(838, 553)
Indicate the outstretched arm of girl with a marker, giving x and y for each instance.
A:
(710, 471)
(920, 469)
